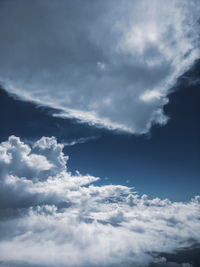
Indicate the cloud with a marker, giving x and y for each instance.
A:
(80, 140)
(50, 217)
(108, 63)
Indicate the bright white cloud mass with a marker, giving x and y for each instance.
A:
(109, 63)
(50, 217)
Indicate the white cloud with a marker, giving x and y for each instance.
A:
(16, 158)
(80, 140)
(150, 96)
(109, 63)
(65, 220)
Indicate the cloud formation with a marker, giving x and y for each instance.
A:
(50, 217)
(80, 140)
(108, 63)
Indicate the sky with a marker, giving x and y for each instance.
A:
(99, 135)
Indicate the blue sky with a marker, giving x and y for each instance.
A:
(165, 162)
(99, 133)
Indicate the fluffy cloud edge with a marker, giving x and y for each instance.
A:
(50, 217)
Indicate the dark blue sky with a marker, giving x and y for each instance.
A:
(163, 163)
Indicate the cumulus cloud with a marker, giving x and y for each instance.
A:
(109, 63)
(50, 217)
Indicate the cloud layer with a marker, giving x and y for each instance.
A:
(50, 217)
(109, 63)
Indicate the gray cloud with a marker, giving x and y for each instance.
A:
(50, 217)
(109, 63)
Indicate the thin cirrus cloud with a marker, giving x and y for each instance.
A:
(80, 140)
(50, 217)
(108, 63)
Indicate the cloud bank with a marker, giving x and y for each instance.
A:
(50, 217)
(108, 63)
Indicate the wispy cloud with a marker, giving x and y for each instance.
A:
(81, 140)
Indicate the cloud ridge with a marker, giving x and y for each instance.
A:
(50, 217)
